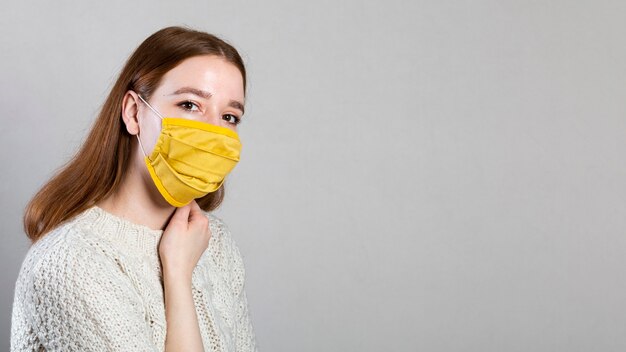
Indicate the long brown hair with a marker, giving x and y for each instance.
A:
(97, 169)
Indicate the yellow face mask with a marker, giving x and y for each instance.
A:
(190, 158)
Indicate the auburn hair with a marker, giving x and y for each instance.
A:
(98, 167)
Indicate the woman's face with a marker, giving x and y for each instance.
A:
(203, 88)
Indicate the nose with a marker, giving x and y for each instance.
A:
(213, 117)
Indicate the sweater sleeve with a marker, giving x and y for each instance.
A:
(76, 298)
(231, 262)
(244, 334)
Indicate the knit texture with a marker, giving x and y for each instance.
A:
(95, 284)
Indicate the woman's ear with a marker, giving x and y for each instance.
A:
(130, 110)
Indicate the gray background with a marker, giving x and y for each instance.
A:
(416, 176)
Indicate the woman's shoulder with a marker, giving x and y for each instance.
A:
(59, 239)
(220, 232)
(223, 253)
(64, 247)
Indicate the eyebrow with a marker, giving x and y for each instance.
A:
(207, 95)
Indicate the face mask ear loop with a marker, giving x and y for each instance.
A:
(141, 145)
(150, 106)
(156, 112)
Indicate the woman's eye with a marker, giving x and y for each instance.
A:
(189, 106)
(232, 119)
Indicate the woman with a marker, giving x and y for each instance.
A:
(125, 254)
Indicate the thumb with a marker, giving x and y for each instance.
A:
(181, 215)
(195, 212)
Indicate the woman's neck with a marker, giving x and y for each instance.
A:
(137, 200)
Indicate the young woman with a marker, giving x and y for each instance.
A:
(125, 254)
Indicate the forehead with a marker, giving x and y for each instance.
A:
(207, 72)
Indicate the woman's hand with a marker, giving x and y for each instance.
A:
(184, 240)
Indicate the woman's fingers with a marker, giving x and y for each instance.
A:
(189, 215)
(184, 239)
(196, 216)
(181, 216)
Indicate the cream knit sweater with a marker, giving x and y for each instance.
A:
(95, 284)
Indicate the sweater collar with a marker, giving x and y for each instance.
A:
(135, 237)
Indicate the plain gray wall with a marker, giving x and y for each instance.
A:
(416, 176)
